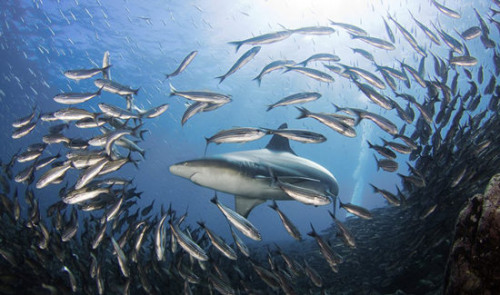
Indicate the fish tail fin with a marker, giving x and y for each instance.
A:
(172, 89)
(303, 112)
(129, 159)
(313, 231)
(403, 130)
(143, 154)
(370, 145)
(136, 91)
(135, 132)
(375, 189)
(258, 78)
(237, 44)
(273, 206)
(222, 78)
(99, 91)
(214, 199)
(353, 36)
(376, 160)
(141, 133)
(385, 141)
(206, 146)
(288, 69)
(332, 214)
(269, 107)
(201, 223)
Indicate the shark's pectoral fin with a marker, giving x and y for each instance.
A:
(244, 205)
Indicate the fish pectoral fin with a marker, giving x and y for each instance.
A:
(244, 205)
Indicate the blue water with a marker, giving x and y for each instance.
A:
(42, 39)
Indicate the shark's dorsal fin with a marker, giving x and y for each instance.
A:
(280, 143)
(244, 205)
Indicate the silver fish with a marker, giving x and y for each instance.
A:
(24, 130)
(391, 198)
(242, 134)
(447, 11)
(201, 96)
(263, 39)
(122, 259)
(188, 244)
(374, 96)
(154, 112)
(273, 66)
(29, 155)
(219, 243)
(398, 147)
(298, 135)
(72, 279)
(320, 57)
(389, 32)
(409, 37)
(287, 223)
(331, 257)
(55, 138)
(377, 42)
(313, 275)
(160, 238)
(115, 87)
(430, 34)
(83, 194)
(89, 173)
(52, 175)
(382, 150)
(99, 236)
(380, 121)
(243, 60)
(318, 30)
(312, 73)
(302, 194)
(471, 33)
(329, 121)
(240, 244)
(296, 98)
(116, 112)
(352, 29)
(465, 61)
(238, 221)
(187, 60)
(356, 210)
(364, 53)
(74, 98)
(84, 73)
(24, 120)
(386, 164)
(73, 114)
(346, 234)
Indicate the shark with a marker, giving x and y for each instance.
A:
(251, 175)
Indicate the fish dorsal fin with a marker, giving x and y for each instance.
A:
(244, 205)
(280, 143)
